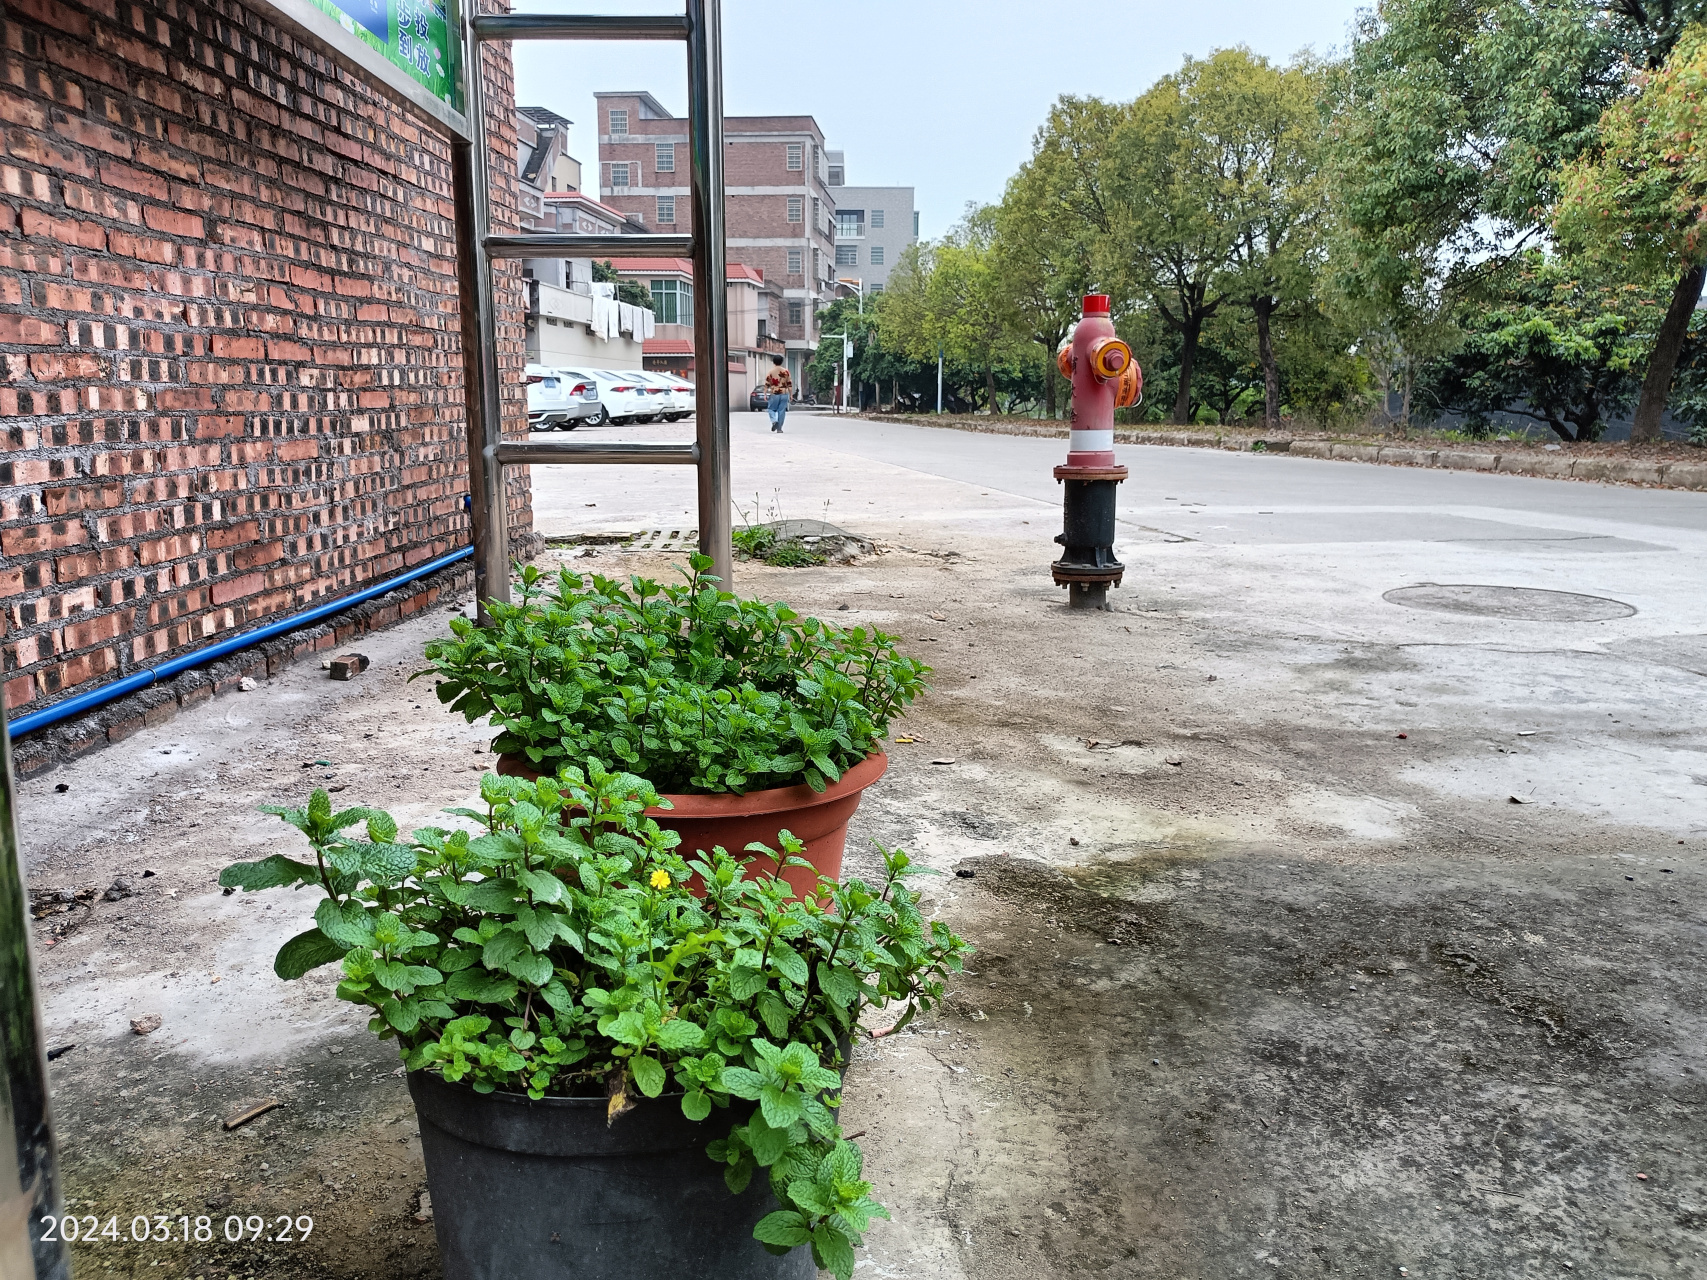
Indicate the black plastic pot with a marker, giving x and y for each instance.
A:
(540, 1190)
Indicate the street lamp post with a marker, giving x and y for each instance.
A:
(857, 285)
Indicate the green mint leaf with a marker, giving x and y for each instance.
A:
(784, 1227)
(741, 1082)
(346, 924)
(481, 986)
(832, 1252)
(767, 1143)
(679, 1034)
(781, 1107)
(268, 873)
(648, 1074)
(306, 951)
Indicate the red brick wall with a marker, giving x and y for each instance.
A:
(230, 371)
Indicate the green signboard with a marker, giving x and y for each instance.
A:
(414, 46)
(414, 35)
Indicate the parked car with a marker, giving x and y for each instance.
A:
(660, 401)
(679, 396)
(562, 399)
(757, 400)
(624, 395)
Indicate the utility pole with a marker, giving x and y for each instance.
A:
(847, 352)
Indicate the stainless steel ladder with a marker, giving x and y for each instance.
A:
(700, 27)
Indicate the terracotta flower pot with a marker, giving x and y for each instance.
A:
(818, 818)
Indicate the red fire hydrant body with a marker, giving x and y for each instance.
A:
(1104, 376)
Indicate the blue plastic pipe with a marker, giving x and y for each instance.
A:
(183, 662)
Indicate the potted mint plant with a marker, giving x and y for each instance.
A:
(749, 718)
(616, 1077)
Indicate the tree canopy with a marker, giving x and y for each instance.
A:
(1490, 209)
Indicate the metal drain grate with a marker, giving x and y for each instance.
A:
(664, 540)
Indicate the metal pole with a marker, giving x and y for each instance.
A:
(939, 379)
(482, 404)
(29, 1179)
(710, 301)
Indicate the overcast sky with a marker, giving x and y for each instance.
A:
(941, 95)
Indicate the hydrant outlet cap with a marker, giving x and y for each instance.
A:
(1096, 304)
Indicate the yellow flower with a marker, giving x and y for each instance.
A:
(660, 879)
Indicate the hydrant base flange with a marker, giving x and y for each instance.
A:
(1067, 574)
(1115, 473)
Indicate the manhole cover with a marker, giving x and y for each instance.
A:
(1529, 604)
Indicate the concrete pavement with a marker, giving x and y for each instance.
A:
(1283, 564)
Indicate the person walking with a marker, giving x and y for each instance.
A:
(778, 386)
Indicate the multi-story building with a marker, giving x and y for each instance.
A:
(778, 203)
(874, 226)
(755, 307)
(542, 161)
(571, 321)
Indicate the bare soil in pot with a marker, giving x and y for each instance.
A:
(820, 819)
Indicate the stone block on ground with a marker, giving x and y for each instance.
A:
(347, 666)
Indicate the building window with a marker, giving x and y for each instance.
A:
(817, 214)
(877, 219)
(666, 162)
(619, 124)
(876, 254)
(672, 301)
(794, 259)
(874, 289)
(796, 314)
(796, 209)
(915, 224)
(619, 175)
(796, 155)
(838, 175)
(850, 223)
(666, 209)
(847, 255)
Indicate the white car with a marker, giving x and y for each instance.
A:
(562, 399)
(626, 394)
(660, 403)
(678, 397)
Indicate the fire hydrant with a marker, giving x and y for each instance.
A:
(1104, 377)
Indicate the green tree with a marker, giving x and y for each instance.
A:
(1258, 130)
(1455, 124)
(630, 291)
(1638, 200)
(1171, 226)
(1545, 344)
(1043, 252)
(966, 309)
